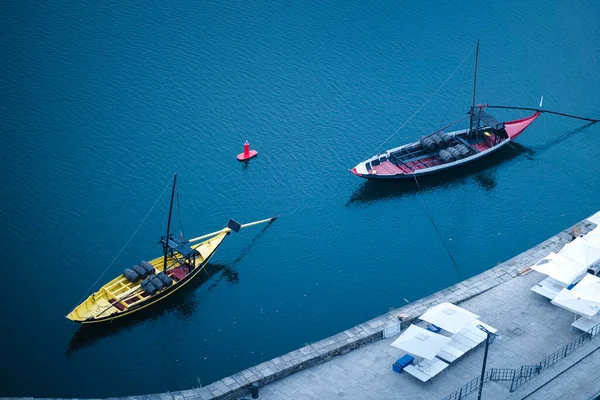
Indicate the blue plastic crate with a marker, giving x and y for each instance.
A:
(399, 365)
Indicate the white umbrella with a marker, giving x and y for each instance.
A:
(588, 288)
(421, 342)
(449, 317)
(569, 300)
(560, 268)
(581, 251)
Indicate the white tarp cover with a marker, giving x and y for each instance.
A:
(449, 317)
(595, 218)
(560, 268)
(421, 342)
(569, 300)
(581, 251)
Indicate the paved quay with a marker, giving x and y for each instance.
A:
(530, 329)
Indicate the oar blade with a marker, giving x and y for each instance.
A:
(234, 225)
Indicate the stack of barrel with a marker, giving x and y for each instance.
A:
(443, 141)
(154, 282)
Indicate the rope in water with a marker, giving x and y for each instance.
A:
(435, 226)
(127, 243)
(423, 105)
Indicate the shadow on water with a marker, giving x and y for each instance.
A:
(563, 137)
(182, 303)
(371, 191)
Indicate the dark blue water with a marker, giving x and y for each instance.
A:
(101, 103)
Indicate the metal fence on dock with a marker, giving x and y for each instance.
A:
(519, 376)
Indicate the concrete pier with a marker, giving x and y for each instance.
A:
(356, 363)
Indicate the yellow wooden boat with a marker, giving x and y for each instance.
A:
(150, 282)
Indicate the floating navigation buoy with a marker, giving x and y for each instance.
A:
(247, 154)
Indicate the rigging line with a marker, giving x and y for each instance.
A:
(129, 240)
(458, 90)
(179, 213)
(423, 105)
(452, 123)
(435, 226)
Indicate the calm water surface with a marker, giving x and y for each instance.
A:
(102, 102)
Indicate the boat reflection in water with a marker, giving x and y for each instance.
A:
(482, 171)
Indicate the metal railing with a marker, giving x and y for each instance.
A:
(468, 388)
(522, 374)
(527, 371)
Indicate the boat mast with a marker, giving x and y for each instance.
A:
(166, 243)
(474, 88)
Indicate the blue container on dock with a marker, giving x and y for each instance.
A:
(399, 365)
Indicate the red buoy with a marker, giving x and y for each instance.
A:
(247, 154)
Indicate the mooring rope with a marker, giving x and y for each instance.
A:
(434, 225)
(129, 240)
(423, 105)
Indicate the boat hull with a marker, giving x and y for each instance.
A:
(154, 299)
(434, 170)
(414, 159)
(105, 305)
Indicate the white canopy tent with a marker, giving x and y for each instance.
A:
(571, 301)
(588, 288)
(583, 299)
(581, 251)
(449, 317)
(421, 342)
(560, 268)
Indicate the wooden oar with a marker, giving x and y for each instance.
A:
(545, 111)
(208, 235)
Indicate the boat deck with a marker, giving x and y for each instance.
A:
(439, 150)
(414, 158)
(177, 274)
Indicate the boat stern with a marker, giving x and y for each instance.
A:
(360, 170)
(514, 128)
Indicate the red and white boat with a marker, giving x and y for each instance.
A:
(440, 151)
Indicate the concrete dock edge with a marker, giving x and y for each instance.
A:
(239, 384)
